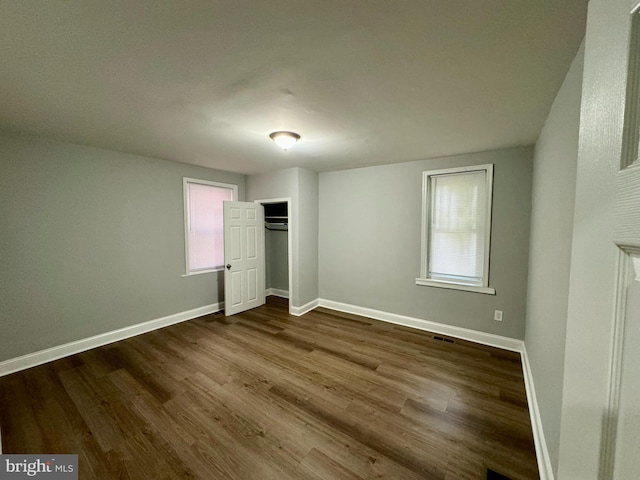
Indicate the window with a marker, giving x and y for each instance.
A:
(456, 228)
(203, 223)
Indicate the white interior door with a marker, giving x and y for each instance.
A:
(627, 445)
(243, 256)
(626, 356)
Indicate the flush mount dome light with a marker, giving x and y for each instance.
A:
(285, 140)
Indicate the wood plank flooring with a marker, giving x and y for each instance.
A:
(265, 395)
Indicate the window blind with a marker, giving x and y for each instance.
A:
(457, 226)
(205, 233)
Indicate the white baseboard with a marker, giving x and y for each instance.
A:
(542, 452)
(43, 356)
(276, 292)
(298, 311)
(489, 339)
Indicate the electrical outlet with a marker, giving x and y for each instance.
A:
(497, 315)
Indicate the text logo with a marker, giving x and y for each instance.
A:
(49, 467)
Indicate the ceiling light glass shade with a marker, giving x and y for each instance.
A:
(285, 140)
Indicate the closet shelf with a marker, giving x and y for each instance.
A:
(276, 225)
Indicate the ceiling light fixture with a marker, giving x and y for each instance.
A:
(285, 140)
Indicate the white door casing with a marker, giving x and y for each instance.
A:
(243, 256)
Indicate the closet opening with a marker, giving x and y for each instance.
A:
(277, 247)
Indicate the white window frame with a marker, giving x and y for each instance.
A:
(426, 217)
(185, 182)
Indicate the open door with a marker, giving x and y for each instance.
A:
(625, 382)
(622, 428)
(243, 256)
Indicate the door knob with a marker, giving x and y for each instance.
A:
(228, 266)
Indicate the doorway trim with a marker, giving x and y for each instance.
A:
(290, 245)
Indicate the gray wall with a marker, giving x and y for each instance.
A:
(301, 186)
(369, 255)
(92, 240)
(554, 180)
(308, 197)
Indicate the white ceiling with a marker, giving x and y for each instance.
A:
(363, 81)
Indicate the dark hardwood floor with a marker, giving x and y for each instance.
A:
(265, 395)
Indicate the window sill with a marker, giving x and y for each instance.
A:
(199, 272)
(455, 286)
